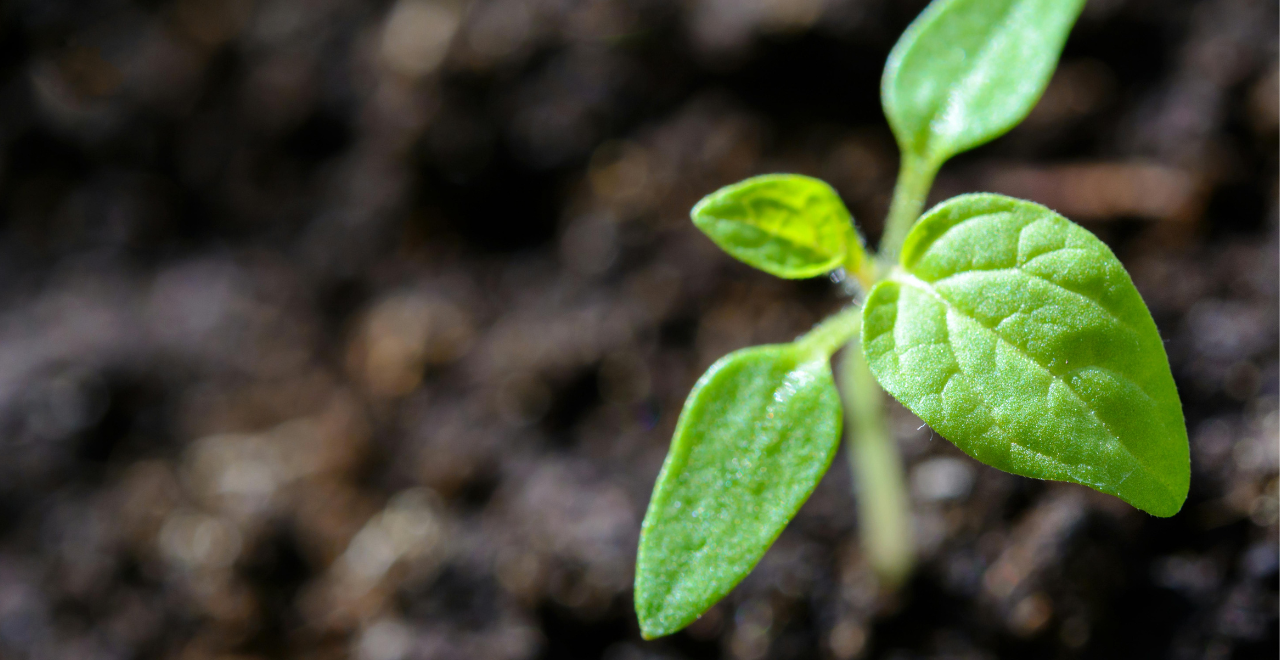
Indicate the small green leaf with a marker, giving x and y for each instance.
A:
(1017, 335)
(787, 225)
(756, 435)
(967, 71)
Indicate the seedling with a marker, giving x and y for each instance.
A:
(1013, 332)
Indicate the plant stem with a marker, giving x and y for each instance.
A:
(915, 177)
(884, 513)
(834, 332)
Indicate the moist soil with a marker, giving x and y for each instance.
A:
(348, 329)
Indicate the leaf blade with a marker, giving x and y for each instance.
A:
(967, 71)
(756, 435)
(1018, 335)
(787, 225)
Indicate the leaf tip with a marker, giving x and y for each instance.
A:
(1165, 513)
(654, 621)
(1165, 507)
(1160, 510)
(1162, 493)
(698, 214)
(651, 633)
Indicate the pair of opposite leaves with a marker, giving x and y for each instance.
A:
(1010, 330)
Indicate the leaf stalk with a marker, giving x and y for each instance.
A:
(915, 177)
(835, 331)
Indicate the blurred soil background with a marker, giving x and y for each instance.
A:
(334, 328)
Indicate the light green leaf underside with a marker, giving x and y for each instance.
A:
(787, 225)
(967, 71)
(756, 435)
(1018, 336)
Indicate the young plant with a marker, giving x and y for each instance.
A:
(1013, 332)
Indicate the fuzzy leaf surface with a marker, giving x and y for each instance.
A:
(967, 71)
(1018, 336)
(756, 435)
(787, 225)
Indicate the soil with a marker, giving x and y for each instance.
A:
(359, 329)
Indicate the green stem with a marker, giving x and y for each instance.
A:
(884, 512)
(915, 177)
(832, 333)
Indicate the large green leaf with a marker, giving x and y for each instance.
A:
(1017, 335)
(967, 71)
(757, 433)
(787, 225)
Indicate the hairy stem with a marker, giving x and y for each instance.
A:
(884, 513)
(836, 331)
(915, 177)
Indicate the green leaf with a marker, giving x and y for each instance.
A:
(787, 225)
(967, 71)
(1017, 335)
(756, 435)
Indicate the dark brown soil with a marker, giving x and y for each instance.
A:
(339, 328)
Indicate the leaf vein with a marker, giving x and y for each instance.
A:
(913, 281)
(1018, 269)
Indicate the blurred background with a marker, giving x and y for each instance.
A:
(336, 328)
